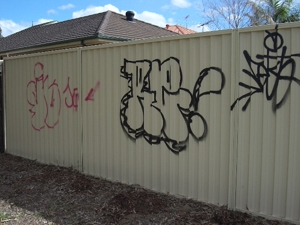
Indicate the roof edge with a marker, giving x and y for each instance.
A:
(79, 40)
(51, 44)
(113, 38)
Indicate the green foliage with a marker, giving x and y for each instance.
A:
(273, 11)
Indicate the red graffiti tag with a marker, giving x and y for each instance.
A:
(90, 96)
(73, 96)
(45, 100)
(41, 103)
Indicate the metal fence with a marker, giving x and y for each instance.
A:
(210, 116)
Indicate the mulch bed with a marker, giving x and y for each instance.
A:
(33, 193)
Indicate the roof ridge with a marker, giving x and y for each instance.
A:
(180, 28)
(103, 24)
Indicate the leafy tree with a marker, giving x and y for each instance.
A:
(273, 11)
(1, 33)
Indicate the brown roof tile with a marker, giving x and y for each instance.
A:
(105, 25)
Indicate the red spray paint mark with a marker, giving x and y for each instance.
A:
(90, 96)
(73, 96)
(43, 100)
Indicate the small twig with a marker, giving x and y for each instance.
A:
(4, 221)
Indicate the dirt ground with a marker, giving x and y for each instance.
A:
(33, 193)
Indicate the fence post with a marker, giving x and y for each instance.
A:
(233, 153)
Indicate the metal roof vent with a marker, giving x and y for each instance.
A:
(129, 16)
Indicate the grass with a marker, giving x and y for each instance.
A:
(4, 216)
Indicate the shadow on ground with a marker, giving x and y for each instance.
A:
(56, 195)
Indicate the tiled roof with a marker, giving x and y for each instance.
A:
(106, 25)
(179, 29)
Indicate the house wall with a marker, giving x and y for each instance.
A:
(171, 114)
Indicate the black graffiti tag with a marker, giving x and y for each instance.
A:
(269, 72)
(155, 90)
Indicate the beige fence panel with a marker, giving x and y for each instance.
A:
(211, 116)
(147, 101)
(268, 155)
(42, 118)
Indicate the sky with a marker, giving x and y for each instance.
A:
(16, 15)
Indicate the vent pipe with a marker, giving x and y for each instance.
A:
(129, 16)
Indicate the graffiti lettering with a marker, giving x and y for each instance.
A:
(45, 100)
(270, 72)
(73, 96)
(142, 77)
(38, 96)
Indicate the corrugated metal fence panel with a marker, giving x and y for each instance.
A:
(162, 113)
(268, 180)
(42, 119)
(148, 100)
(293, 178)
